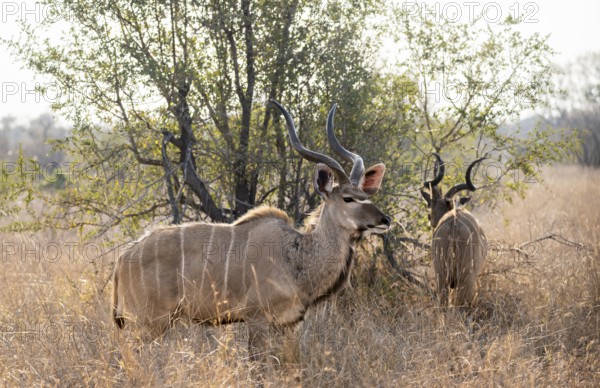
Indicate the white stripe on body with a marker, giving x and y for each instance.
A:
(182, 268)
(130, 283)
(208, 250)
(227, 263)
(142, 268)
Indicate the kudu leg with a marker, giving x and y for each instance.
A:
(288, 343)
(464, 285)
(155, 329)
(465, 293)
(258, 339)
(443, 292)
(443, 286)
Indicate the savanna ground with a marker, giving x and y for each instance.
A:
(536, 320)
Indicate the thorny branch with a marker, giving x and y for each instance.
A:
(523, 250)
(559, 239)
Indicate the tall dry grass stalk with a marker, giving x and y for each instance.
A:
(536, 321)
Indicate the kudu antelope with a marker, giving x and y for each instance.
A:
(258, 270)
(459, 244)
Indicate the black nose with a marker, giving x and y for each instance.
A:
(386, 220)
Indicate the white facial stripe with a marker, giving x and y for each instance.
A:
(363, 201)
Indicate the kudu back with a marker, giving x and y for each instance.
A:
(258, 270)
(459, 244)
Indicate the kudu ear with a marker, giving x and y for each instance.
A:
(464, 200)
(426, 195)
(370, 182)
(323, 180)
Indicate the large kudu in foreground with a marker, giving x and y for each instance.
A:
(258, 270)
(459, 245)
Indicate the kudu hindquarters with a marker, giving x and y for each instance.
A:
(458, 247)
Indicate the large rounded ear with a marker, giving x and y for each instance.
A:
(323, 180)
(370, 182)
(464, 200)
(426, 195)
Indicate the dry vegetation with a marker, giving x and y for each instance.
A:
(537, 320)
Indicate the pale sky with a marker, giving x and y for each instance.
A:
(573, 27)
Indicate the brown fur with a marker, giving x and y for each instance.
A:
(310, 222)
(263, 212)
(458, 249)
(258, 270)
(459, 244)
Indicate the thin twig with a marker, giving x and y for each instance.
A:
(415, 242)
(559, 239)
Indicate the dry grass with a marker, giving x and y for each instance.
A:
(535, 323)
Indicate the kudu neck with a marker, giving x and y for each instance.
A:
(325, 257)
(329, 231)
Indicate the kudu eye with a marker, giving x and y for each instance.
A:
(348, 199)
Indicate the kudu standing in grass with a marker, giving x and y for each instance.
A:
(258, 270)
(459, 245)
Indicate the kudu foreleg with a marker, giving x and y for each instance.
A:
(258, 339)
